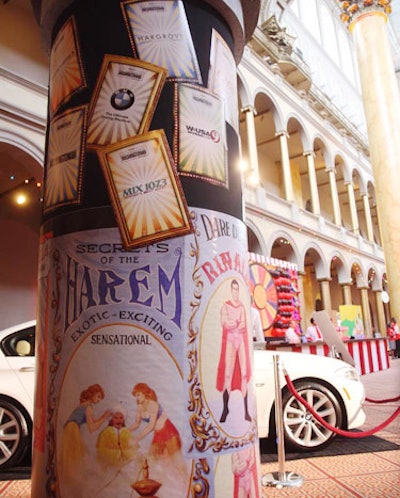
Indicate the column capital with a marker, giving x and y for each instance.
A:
(353, 11)
(309, 153)
(249, 108)
(282, 133)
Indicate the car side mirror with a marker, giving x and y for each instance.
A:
(23, 348)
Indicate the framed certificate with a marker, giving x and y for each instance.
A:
(124, 99)
(160, 34)
(65, 158)
(66, 69)
(200, 141)
(145, 190)
(222, 77)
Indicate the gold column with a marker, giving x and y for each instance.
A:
(287, 175)
(346, 288)
(368, 219)
(380, 311)
(380, 89)
(366, 311)
(337, 219)
(249, 113)
(313, 182)
(325, 294)
(353, 208)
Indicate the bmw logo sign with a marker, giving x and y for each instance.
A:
(122, 99)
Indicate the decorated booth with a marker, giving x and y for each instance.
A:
(274, 292)
(275, 295)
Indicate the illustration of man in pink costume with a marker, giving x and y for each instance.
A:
(234, 368)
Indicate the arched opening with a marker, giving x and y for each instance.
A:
(253, 243)
(20, 214)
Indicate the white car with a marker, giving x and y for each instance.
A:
(17, 383)
(331, 387)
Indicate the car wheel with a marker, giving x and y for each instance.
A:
(302, 431)
(14, 434)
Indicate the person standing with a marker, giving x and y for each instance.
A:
(293, 336)
(396, 336)
(313, 334)
(392, 340)
(258, 334)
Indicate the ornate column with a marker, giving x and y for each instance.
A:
(353, 208)
(380, 311)
(337, 219)
(346, 288)
(143, 258)
(368, 218)
(326, 294)
(254, 175)
(286, 172)
(313, 182)
(380, 89)
(366, 311)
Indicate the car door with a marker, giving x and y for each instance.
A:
(17, 364)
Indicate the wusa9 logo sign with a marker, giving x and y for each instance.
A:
(212, 135)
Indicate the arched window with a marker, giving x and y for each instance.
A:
(306, 11)
(329, 41)
(346, 59)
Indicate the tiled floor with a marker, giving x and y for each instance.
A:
(367, 475)
(361, 475)
(15, 489)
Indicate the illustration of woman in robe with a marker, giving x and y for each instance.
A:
(73, 446)
(166, 439)
(166, 445)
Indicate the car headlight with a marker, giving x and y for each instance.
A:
(348, 373)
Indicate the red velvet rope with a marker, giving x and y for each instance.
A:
(389, 400)
(336, 430)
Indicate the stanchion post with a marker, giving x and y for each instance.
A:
(280, 438)
(281, 478)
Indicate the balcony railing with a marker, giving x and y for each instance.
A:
(287, 215)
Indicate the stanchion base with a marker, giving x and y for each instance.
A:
(280, 480)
